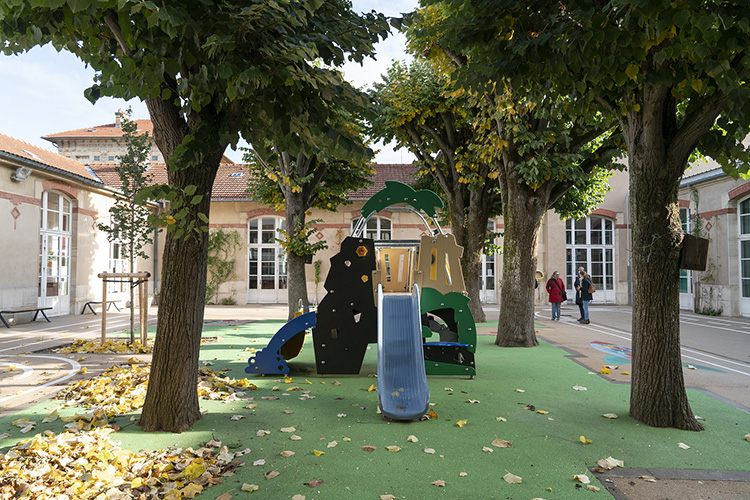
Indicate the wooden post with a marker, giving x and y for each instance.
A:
(143, 295)
(144, 314)
(104, 309)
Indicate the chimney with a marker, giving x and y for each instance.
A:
(118, 116)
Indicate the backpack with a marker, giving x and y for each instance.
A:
(592, 288)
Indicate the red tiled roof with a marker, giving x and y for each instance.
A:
(232, 179)
(402, 172)
(110, 130)
(42, 156)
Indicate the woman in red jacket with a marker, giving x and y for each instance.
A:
(556, 291)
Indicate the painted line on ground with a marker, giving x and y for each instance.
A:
(75, 366)
(27, 372)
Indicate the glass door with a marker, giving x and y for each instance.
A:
(267, 277)
(54, 254)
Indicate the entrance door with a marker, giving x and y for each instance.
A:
(54, 254)
(686, 277)
(590, 243)
(744, 254)
(487, 288)
(266, 262)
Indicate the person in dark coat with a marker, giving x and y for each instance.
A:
(577, 286)
(556, 289)
(585, 297)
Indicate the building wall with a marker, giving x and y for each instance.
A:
(84, 150)
(20, 218)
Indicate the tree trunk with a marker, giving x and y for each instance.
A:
(172, 397)
(523, 211)
(657, 395)
(297, 279)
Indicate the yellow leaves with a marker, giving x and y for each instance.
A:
(171, 220)
(88, 463)
(191, 490)
(318, 453)
(512, 478)
(250, 488)
(82, 370)
(605, 370)
(372, 388)
(432, 414)
(632, 71)
(697, 85)
(461, 423)
(542, 412)
(585, 441)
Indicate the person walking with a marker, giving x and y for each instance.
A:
(587, 291)
(577, 286)
(556, 291)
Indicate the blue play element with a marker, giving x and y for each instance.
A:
(403, 393)
(271, 360)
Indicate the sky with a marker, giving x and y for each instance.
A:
(41, 91)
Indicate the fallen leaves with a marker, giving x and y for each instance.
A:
(413, 439)
(683, 446)
(610, 463)
(369, 448)
(584, 440)
(287, 453)
(512, 478)
(610, 415)
(581, 478)
(315, 483)
(393, 449)
(429, 451)
(747, 437)
(579, 388)
(250, 488)
(318, 453)
(461, 423)
(439, 483)
(605, 370)
(89, 464)
(501, 443)
(271, 474)
(287, 429)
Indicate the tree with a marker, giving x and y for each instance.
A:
(674, 77)
(420, 109)
(209, 71)
(298, 183)
(129, 220)
(543, 155)
(222, 247)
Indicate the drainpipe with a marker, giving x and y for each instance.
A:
(629, 249)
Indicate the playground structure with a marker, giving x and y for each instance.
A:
(396, 293)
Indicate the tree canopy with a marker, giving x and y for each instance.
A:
(543, 152)
(673, 77)
(209, 72)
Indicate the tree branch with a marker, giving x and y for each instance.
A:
(114, 26)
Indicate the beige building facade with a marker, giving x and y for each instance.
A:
(49, 222)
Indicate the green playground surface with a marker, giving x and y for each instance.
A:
(533, 398)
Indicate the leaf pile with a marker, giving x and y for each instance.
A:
(88, 465)
(108, 347)
(122, 389)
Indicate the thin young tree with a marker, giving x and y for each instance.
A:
(129, 220)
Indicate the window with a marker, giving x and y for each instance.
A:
(378, 228)
(110, 158)
(154, 158)
(266, 258)
(744, 229)
(590, 244)
(97, 158)
(685, 284)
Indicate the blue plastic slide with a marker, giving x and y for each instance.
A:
(403, 393)
(286, 344)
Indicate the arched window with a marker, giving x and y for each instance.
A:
(54, 252)
(590, 243)
(267, 277)
(378, 228)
